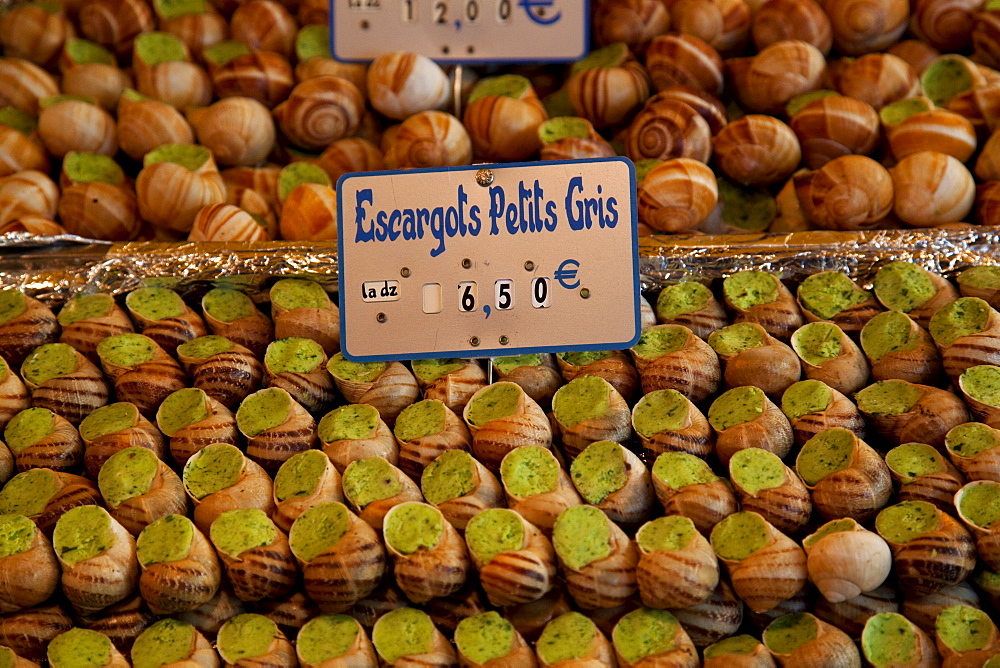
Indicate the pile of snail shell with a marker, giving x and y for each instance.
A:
(829, 556)
(741, 115)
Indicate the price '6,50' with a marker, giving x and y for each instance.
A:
(504, 294)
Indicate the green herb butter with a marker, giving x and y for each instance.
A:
(127, 474)
(350, 422)
(318, 529)
(529, 470)
(167, 539)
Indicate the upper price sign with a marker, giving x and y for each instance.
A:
(460, 31)
(488, 261)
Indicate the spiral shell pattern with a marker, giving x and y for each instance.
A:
(218, 427)
(165, 496)
(541, 510)
(430, 139)
(84, 335)
(253, 489)
(668, 128)
(787, 507)
(608, 582)
(864, 26)
(437, 572)
(608, 95)
(144, 125)
(28, 578)
(264, 76)
(931, 189)
(686, 60)
(262, 572)
(934, 415)
(771, 575)
(98, 582)
(181, 586)
(878, 79)
(705, 504)
(273, 447)
(28, 632)
(75, 395)
(22, 334)
(677, 578)
(380, 444)
(229, 377)
(770, 431)
(779, 72)
(695, 437)
(320, 111)
(717, 617)
(520, 576)
(677, 195)
(313, 391)
(170, 195)
(18, 153)
(403, 84)
(347, 572)
(23, 84)
(757, 150)
(146, 385)
(225, 222)
(936, 559)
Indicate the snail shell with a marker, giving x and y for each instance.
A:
(613, 425)
(939, 558)
(393, 390)
(847, 563)
(402, 84)
(835, 126)
(757, 150)
(142, 434)
(519, 576)
(416, 454)
(677, 578)
(429, 139)
(847, 372)
(683, 59)
(34, 33)
(779, 20)
(27, 331)
(73, 395)
(347, 571)
(316, 66)
(381, 443)
(770, 575)
(184, 584)
(934, 414)
(570, 148)
(351, 154)
(668, 128)
(228, 377)
(165, 496)
(85, 334)
(631, 504)
(27, 193)
(931, 189)
(840, 412)
(198, 30)
(851, 615)
(527, 425)
(829, 647)
(73, 491)
(309, 213)
(238, 130)
(170, 195)
(701, 322)
(98, 210)
(634, 22)
(218, 427)
(608, 95)
(327, 488)
(981, 347)
(104, 83)
(30, 577)
(252, 489)
(725, 24)
(987, 167)
(20, 152)
(542, 510)
(28, 632)
(431, 572)
(147, 384)
(766, 82)
(267, 571)
(987, 537)
(780, 318)
(253, 332)
(607, 582)
(944, 25)
(312, 390)
(225, 222)
(274, 446)
(717, 617)
(178, 83)
(539, 381)
(290, 612)
(933, 130)
(172, 331)
(33, 226)
(787, 505)
(851, 192)
(923, 609)
(262, 75)
(921, 364)
(706, 504)
(486, 493)
(934, 488)
(114, 24)
(864, 26)
(23, 84)
(74, 125)
(104, 579)
(878, 79)
(144, 125)
(504, 128)
(677, 195)
(987, 212)
(375, 511)
(783, 365)
(693, 369)
(264, 25)
(616, 368)
(320, 111)
(695, 436)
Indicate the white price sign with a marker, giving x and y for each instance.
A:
(461, 31)
(488, 261)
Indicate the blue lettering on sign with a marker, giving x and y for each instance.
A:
(566, 272)
(535, 9)
(516, 211)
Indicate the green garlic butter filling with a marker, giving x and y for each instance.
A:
(746, 289)
(350, 422)
(326, 637)
(368, 480)
(805, 398)
(127, 474)
(529, 470)
(583, 398)
(581, 536)
(660, 411)
(736, 406)
(740, 535)
(830, 293)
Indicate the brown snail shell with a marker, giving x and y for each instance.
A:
(225, 222)
(539, 381)
(27, 193)
(707, 105)
(100, 211)
(85, 334)
(289, 612)
(921, 364)
(238, 130)
(677, 195)
(122, 622)
(198, 30)
(608, 95)
(30, 577)
(934, 130)
(770, 431)
(74, 395)
(840, 412)
(982, 466)
(684, 59)
(504, 128)
(770, 575)
(705, 504)
(934, 415)
(432, 572)
(147, 384)
(851, 192)
(351, 154)
(677, 578)
(381, 443)
(931, 189)
(35, 34)
(788, 506)
(185, 584)
(863, 26)
(634, 22)
(29, 631)
(542, 510)
(846, 564)
(607, 582)
(309, 213)
(393, 390)
(144, 125)
(228, 377)
(327, 489)
(170, 195)
(702, 322)
(527, 426)
(617, 368)
(632, 503)
(274, 446)
(782, 363)
(402, 84)
(455, 388)
(346, 572)
(851, 615)
(23, 84)
(987, 537)
(165, 496)
(779, 318)
(105, 579)
(74, 125)
(262, 75)
(209, 617)
(986, 211)
(725, 24)
(829, 647)
(312, 390)
(429, 139)
(320, 111)
(267, 571)
(218, 427)
(852, 319)
(519, 576)
(253, 332)
(847, 372)
(104, 83)
(923, 609)
(74, 490)
(14, 396)
(264, 25)
(374, 513)
(939, 558)
(253, 489)
(322, 325)
(832, 127)
(779, 20)
(486, 493)
(695, 437)
(717, 617)
(172, 331)
(569, 148)
(935, 488)
(416, 454)
(667, 128)
(614, 425)
(982, 347)
(115, 24)
(19, 152)
(757, 150)
(34, 226)
(780, 71)
(878, 79)
(142, 434)
(944, 25)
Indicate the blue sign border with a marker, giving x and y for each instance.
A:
(477, 61)
(342, 280)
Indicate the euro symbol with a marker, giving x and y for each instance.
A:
(538, 15)
(564, 275)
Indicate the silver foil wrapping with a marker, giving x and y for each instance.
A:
(52, 269)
